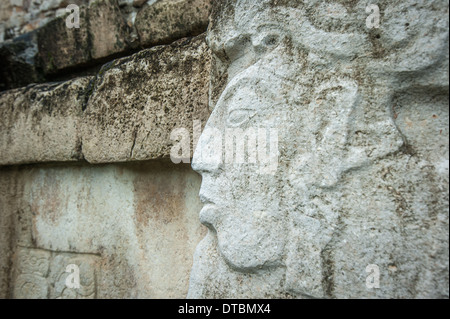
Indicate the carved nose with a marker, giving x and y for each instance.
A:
(208, 154)
(196, 160)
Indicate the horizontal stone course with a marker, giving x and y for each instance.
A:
(166, 21)
(107, 29)
(125, 113)
(102, 33)
(40, 123)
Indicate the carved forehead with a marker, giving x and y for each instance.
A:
(233, 17)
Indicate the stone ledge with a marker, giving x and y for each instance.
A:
(125, 113)
(40, 123)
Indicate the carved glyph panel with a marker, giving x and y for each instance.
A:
(43, 274)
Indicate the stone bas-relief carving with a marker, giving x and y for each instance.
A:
(42, 274)
(362, 177)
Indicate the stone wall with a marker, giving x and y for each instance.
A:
(107, 29)
(125, 112)
(85, 171)
(132, 229)
(18, 17)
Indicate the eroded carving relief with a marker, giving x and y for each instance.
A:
(356, 184)
(42, 274)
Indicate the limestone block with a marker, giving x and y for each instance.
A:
(103, 32)
(41, 123)
(138, 101)
(165, 21)
(108, 29)
(126, 113)
(61, 47)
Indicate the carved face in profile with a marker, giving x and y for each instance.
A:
(312, 73)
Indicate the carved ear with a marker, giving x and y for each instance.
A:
(350, 129)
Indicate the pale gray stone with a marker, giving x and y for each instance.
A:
(130, 228)
(51, 4)
(41, 123)
(363, 155)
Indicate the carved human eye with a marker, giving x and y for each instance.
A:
(240, 116)
(265, 41)
(270, 40)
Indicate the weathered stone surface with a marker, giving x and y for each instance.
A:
(18, 62)
(41, 123)
(363, 154)
(138, 101)
(9, 192)
(126, 113)
(108, 29)
(103, 32)
(131, 228)
(21, 16)
(61, 47)
(168, 20)
(41, 274)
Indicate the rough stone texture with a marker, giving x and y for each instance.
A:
(126, 113)
(8, 208)
(168, 20)
(21, 16)
(103, 32)
(362, 168)
(41, 274)
(138, 101)
(108, 29)
(41, 123)
(54, 49)
(363, 154)
(131, 228)
(18, 62)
